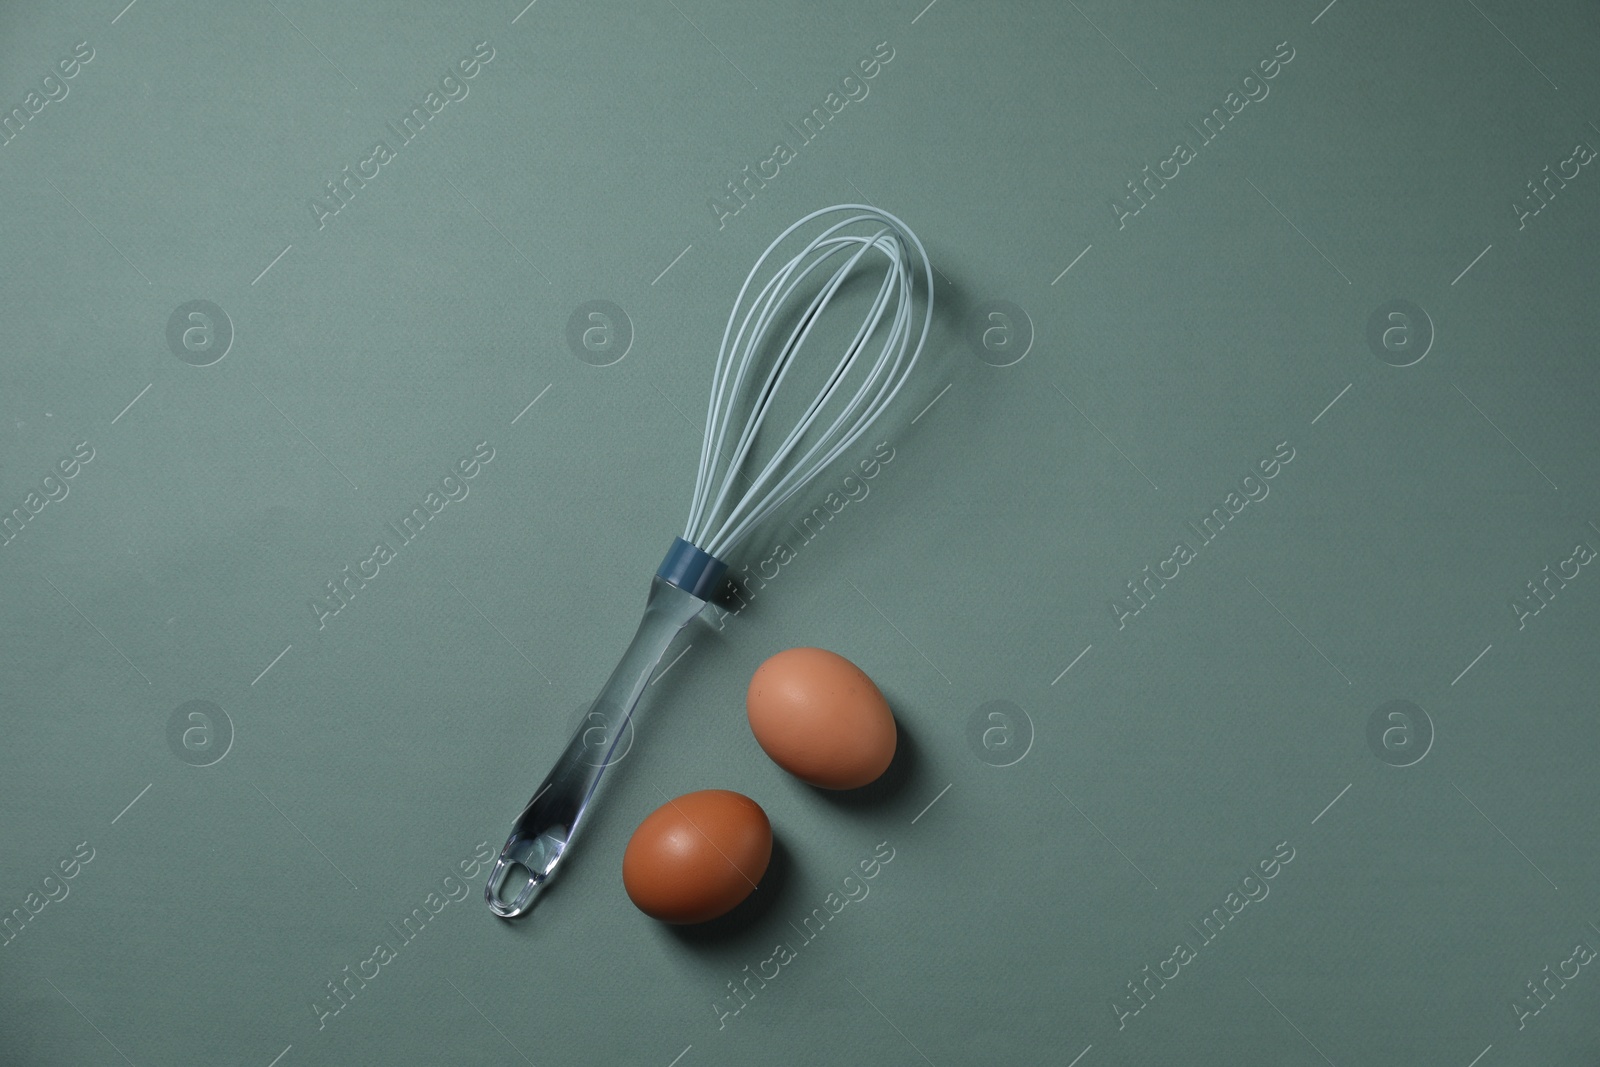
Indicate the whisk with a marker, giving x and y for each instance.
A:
(721, 516)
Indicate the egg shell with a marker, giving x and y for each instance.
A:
(698, 856)
(821, 718)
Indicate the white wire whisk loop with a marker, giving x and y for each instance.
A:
(721, 517)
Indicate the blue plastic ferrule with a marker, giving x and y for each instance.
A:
(694, 571)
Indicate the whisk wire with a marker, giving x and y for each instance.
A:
(779, 371)
(800, 474)
(828, 441)
(772, 295)
(718, 521)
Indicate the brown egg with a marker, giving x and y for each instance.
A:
(821, 719)
(697, 857)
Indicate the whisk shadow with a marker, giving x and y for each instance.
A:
(947, 350)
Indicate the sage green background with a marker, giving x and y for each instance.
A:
(1178, 351)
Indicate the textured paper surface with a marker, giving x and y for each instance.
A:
(1228, 563)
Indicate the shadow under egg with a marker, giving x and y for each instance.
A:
(728, 928)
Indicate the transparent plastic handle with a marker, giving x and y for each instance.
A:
(545, 829)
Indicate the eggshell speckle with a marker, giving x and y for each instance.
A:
(696, 857)
(821, 718)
